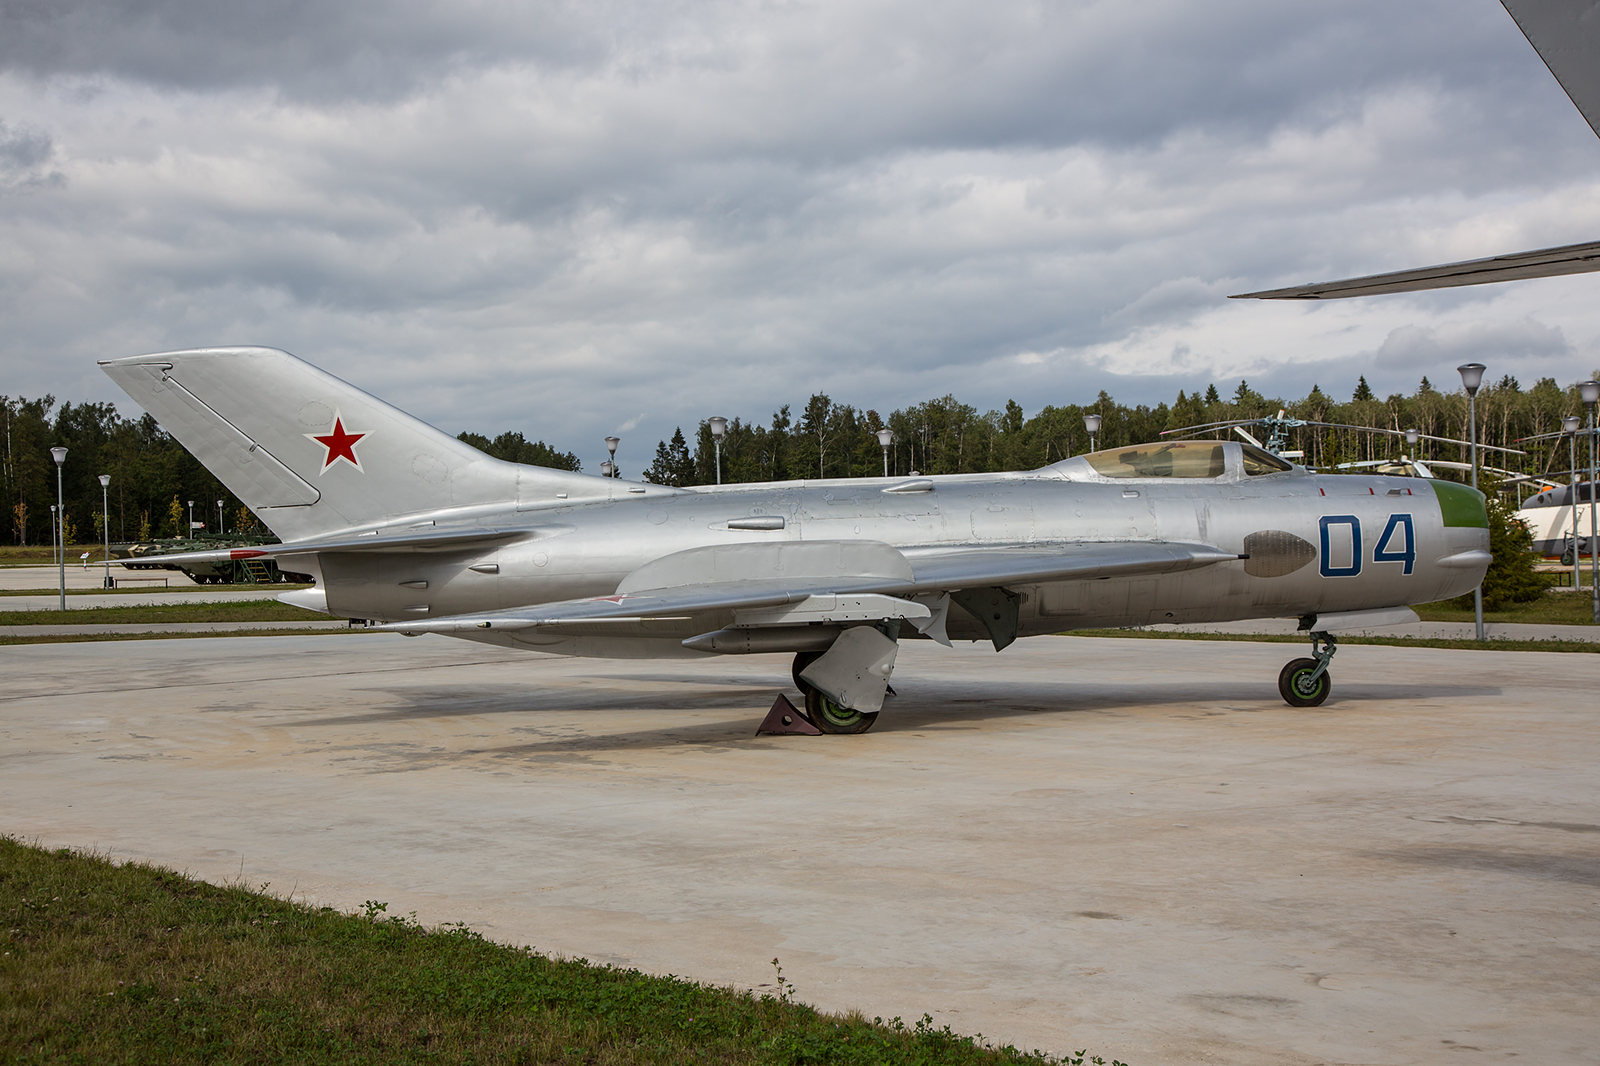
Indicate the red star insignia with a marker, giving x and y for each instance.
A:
(340, 444)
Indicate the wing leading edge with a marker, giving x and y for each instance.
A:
(931, 573)
(1540, 263)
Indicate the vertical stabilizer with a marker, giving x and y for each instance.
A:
(312, 454)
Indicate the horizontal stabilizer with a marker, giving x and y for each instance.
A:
(408, 541)
(1540, 263)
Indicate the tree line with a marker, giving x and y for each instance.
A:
(945, 436)
(153, 477)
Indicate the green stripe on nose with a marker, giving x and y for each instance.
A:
(1460, 505)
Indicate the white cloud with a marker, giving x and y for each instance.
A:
(513, 218)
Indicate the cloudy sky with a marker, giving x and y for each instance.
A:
(579, 218)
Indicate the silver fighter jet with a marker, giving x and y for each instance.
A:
(406, 527)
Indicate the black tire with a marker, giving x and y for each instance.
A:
(1292, 684)
(803, 659)
(834, 719)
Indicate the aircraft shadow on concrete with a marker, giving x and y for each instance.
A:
(742, 702)
(1543, 866)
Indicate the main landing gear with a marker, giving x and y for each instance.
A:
(1305, 682)
(825, 714)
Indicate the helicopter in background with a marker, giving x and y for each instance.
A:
(1277, 442)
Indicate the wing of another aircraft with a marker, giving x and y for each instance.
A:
(1540, 263)
(887, 595)
(1566, 34)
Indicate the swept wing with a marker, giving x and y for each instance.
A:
(932, 572)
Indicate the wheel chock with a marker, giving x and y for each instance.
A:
(783, 718)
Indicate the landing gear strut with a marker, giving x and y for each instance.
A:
(1305, 682)
(825, 714)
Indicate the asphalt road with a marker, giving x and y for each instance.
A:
(1126, 845)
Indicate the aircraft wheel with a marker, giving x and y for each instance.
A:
(803, 659)
(832, 718)
(1297, 688)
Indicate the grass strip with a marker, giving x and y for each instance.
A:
(92, 638)
(139, 613)
(131, 963)
(177, 590)
(1590, 647)
(1553, 608)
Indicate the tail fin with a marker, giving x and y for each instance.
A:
(314, 455)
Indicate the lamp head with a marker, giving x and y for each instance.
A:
(1091, 423)
(606, 467)
(59, 454)
(1590, 391)
(1572, 423)
(1471, 376)
(1412, 436)
(719, 426)
(885, 437)
(611, 445)
(105, 481)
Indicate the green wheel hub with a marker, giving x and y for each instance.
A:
(1298, 686)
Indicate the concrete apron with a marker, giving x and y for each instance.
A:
(1127, 845)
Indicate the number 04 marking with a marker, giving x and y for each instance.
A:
(1384, 551)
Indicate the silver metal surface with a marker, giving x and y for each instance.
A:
(417, 531)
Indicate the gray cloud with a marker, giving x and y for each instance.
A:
(555, 217)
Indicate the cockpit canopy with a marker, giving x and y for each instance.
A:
(1181, 459)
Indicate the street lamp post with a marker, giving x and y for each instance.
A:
(1590, 391)
(885, 438)
(54, 544)
(105, 524)
(1471, 379)
(1572, 423)
(59, 454)
(611, 446)
(191, 520)
(220, 530)
(719, 429)
(1092, 424)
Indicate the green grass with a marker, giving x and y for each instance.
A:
(35, 554)
(1591, 647)
(183, 587)
(228, 611)
(90, 638)
(131, 963)
(1553, 608)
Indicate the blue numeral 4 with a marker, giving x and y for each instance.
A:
(1407, 555)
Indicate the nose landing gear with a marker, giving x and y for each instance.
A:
(1305, 682)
